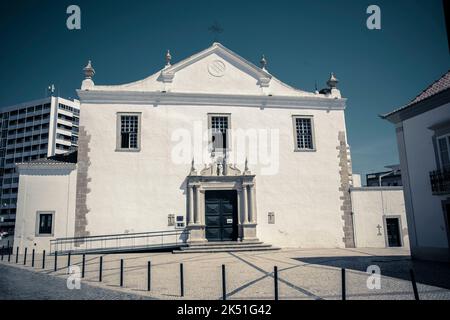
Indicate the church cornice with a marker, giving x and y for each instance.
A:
(205, 99)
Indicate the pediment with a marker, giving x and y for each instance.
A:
(215, 70)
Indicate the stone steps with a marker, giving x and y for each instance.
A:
(228, 246)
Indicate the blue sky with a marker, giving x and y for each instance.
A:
(303, 41)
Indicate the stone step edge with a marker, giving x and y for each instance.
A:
(225, 250)
(227, 247)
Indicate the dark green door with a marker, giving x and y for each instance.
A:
(221, 215)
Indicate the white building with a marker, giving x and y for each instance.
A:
(423, 137)
(379, 217)
(29, 131)
(212, 145)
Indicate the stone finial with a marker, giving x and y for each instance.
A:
(193, 172)
(168, 58)
(263, 62)
(89, 70)
(246, 170)
(332, 82)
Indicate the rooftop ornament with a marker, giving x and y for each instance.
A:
(88, 74)
(332, 82)
(89, 70)
(263, 62)
(168, 58)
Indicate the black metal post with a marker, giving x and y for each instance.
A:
(83, 265)
(343, 284)
(3, 249)
(56, 260)
(100, 271)
(32, 258)
(414, 284)
(121, 272)
(275, 279)
(68, 260)
(224, 284)
(9, 254)
(43, 259)
(181, 281)
(17, 254)
(149, 276)
(25, 257)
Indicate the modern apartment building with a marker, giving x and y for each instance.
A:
(30, 131)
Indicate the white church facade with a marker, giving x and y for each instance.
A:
(212, 145)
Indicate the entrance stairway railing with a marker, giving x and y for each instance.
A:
(154, 240)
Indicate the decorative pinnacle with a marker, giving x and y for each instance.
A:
(333, 81)
(168, 58)
(89, 70)
(263, 62)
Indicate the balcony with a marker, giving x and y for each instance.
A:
(440, 182)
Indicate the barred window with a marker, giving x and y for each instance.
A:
(304, 133)
(129, 132)
(219, 128)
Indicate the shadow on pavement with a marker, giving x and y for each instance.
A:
(427, 272)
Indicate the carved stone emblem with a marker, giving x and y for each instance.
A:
(216, 68)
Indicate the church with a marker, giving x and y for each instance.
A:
(212, 146)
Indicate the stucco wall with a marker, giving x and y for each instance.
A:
(371, 206)
(44, 190)
(135, 191)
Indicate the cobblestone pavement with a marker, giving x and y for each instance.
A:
(16, 283)
(303, 274)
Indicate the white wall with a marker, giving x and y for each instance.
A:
(44, 189)
(371, 206)
(135, 191)
(418, 159)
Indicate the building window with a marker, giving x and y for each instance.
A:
(304, 133)
(219, 126)
(444, 151)
(128, 129)
(45, 222)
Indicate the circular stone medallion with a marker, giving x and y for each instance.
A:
(216, 68)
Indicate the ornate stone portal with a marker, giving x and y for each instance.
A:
(220, 175)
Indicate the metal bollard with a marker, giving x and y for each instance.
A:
(83, 265)
(100, 270)
(149, 276)
(43, 259)
(56, 260)
(25, 257)
(3, 249)
(414, 284)
(275, 280)
(224, 285)
(32, 258)
(121, 272)
(68, 259)
(9, 254)
(344, 297)
(17, 255)
(181, 281)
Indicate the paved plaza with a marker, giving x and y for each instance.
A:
(302, 273)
